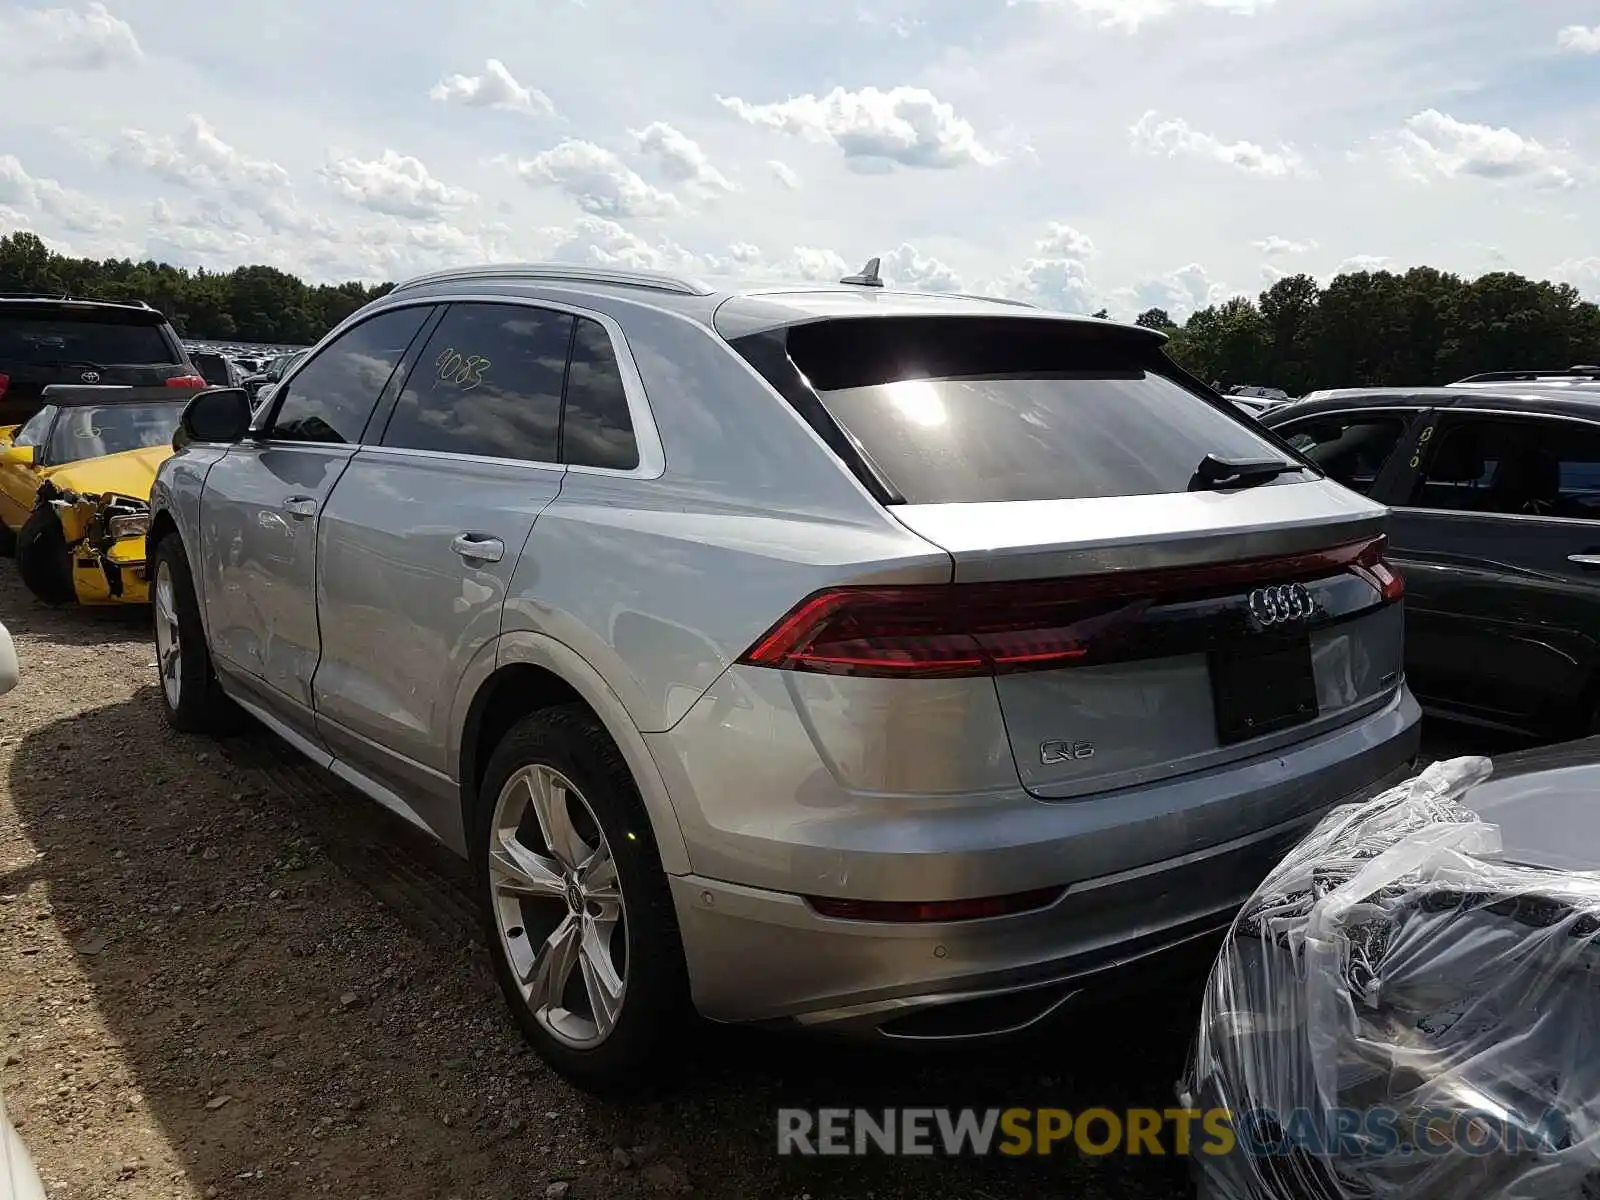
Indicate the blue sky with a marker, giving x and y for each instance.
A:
(1081, 153)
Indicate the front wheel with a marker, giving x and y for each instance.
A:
(43, 559)
(577, 911)
(191, 696)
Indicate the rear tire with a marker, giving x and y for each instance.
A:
(191, 696)
(576, 908)
(43, 560)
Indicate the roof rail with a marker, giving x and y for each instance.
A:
(990, 299)
(1530, 376)
(563, 273)
(69, 298)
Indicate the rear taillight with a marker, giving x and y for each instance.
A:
(1376, 570)
(944, 631)
(5, 382)
(187, 381)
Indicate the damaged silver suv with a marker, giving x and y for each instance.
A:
(868, 661)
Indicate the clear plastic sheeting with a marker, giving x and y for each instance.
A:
(1399, 1013)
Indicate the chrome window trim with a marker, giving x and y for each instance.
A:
(1397, 409)
(646, 436)
(373, 450)
(1456, 515)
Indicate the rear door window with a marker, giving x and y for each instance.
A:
(487, 383)
(1350, 448)
(1515, 466)
(961, 410)
(81, 341)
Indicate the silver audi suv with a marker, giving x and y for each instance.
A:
(825, 656)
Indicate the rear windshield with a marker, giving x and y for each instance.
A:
(1007, 410)
(70, 340)
(92, 430)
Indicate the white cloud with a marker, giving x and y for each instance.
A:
(598, 181)
(1130, 15)
(908, 126)
(1274, 246)
(23, 193)
(496, 88)
(1580, 39)
(1063, 241)
(90, 40)
(784, 174)
(197, 158)
(1175, 138)
(904, 267)
(395, 184)
(1181, 293)
(680, 158)
(1582, 273)
(1434, 145)
(1363, 262)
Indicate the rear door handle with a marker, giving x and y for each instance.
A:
(477, 547)
(1584, 560)
(300, 506)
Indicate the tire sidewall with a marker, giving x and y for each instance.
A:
(43, 559)
(568, 740)
(200, 705)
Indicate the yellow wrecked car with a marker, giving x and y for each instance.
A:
(75, 489)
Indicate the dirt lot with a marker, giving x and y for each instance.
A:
(224, 974)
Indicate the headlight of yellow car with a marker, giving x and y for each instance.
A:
(136, 525)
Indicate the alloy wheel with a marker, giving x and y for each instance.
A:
(558, 906)
(169, 641)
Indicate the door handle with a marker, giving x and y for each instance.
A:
(1584, 560)
(300, 506)
(477, 547)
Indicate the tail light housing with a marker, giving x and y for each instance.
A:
(945, 631)
(190, 380)
(5, 382)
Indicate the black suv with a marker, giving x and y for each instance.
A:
(1494, 487)
(52, 339)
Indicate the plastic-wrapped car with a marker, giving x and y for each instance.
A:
(1407, 1005)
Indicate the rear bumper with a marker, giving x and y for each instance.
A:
(758, 954)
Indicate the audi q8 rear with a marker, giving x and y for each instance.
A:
(875, 662)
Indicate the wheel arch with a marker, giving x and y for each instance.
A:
(527, 672)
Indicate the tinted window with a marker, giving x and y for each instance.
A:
(213, 368)
(1522, 467)
(332, 398)
(90, 431)
(55, 340)
(596, 427)
(1350, 449)
(963, 409)
(33, 430)
(488, 382)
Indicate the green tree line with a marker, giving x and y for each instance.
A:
(247, 304)
(1371, 327)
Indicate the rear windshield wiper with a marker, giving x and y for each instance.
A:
(1215, 473)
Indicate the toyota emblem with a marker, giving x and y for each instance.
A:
(1280, 604)
(90, 377)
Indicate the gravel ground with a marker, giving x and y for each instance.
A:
(222, 973)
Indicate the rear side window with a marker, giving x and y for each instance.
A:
(487, 383)
(596, 427)
(332, 398)
(73, 340)
(965, 410)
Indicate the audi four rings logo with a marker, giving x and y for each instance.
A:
(1278, 605)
